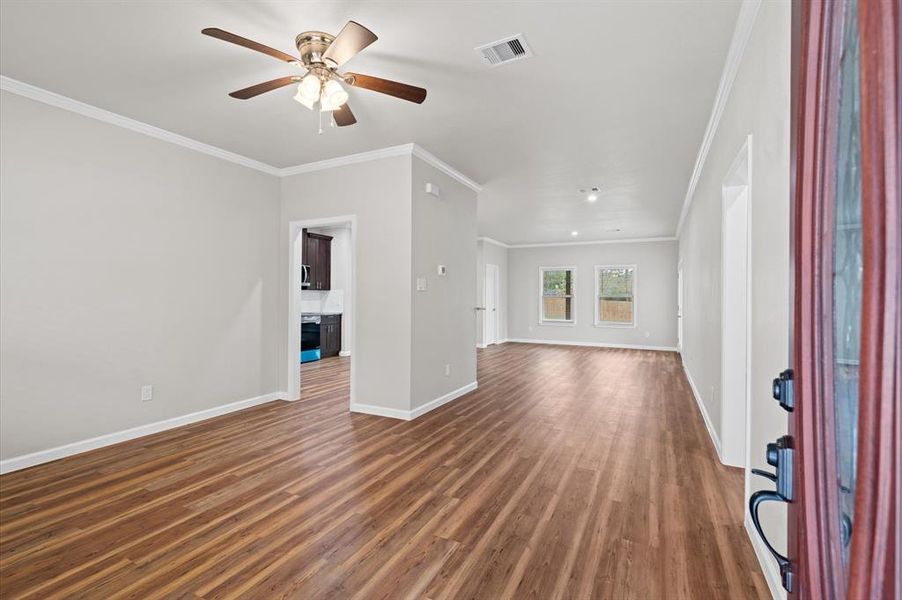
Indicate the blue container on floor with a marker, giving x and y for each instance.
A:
(309, 355)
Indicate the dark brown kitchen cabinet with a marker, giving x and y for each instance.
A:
(330, 335)
(317, 254)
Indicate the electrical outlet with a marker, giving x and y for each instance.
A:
(146, 393)
(447, 370)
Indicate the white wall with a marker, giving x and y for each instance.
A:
(444, 316)
(489, 253)
(124, 261)
(655, 293)
(758, 104)
(378, 192)
(403, 338)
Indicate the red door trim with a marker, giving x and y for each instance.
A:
(874, 558)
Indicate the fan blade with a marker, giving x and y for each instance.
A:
(266, 86)
(237, 39)
(352, 38)
(343, 116)
(386, 86)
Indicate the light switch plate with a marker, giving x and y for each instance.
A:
(146, 393)
(421, 284)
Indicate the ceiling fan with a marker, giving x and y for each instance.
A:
(321, 55)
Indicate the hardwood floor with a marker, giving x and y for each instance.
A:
(570, 473)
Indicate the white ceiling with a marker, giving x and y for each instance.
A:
(617, 95)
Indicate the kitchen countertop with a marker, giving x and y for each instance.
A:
(321, 314)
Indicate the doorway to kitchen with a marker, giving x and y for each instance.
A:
(322, 309)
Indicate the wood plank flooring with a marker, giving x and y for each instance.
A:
(570, 473)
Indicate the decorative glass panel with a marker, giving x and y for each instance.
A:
(847, 274)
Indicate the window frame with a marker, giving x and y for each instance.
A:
(558, 322)
(596, 298)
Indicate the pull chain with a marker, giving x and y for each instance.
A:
(320, 122)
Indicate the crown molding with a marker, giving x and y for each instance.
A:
(402, 150)
(741, 34)
(350, 159)
(444, 167)
(53, 99)
(597, 242)
(493, 241)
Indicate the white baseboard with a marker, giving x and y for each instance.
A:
(496, 343)
(381, 411)
(43, 456)
(409, 415)
(422, 410)
(701, 408)
(769, 566)
(345, 353)
(591, 344)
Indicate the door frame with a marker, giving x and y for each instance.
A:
(295, 260)
(736, 183)
(497, 271)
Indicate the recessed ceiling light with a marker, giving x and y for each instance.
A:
(592, 193)
(574, 233)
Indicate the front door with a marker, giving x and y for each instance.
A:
(838, 466)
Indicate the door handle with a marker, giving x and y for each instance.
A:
(755, 501)
(765, 474)
(780, 456)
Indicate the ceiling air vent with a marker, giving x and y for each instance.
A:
(505, 51)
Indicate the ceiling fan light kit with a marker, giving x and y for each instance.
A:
(304, 100)
(309, 87)
(321, 55)
(333, 96)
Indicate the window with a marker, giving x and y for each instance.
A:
(615, 304)
(557, 290)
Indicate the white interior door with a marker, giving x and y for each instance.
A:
(490, 323)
